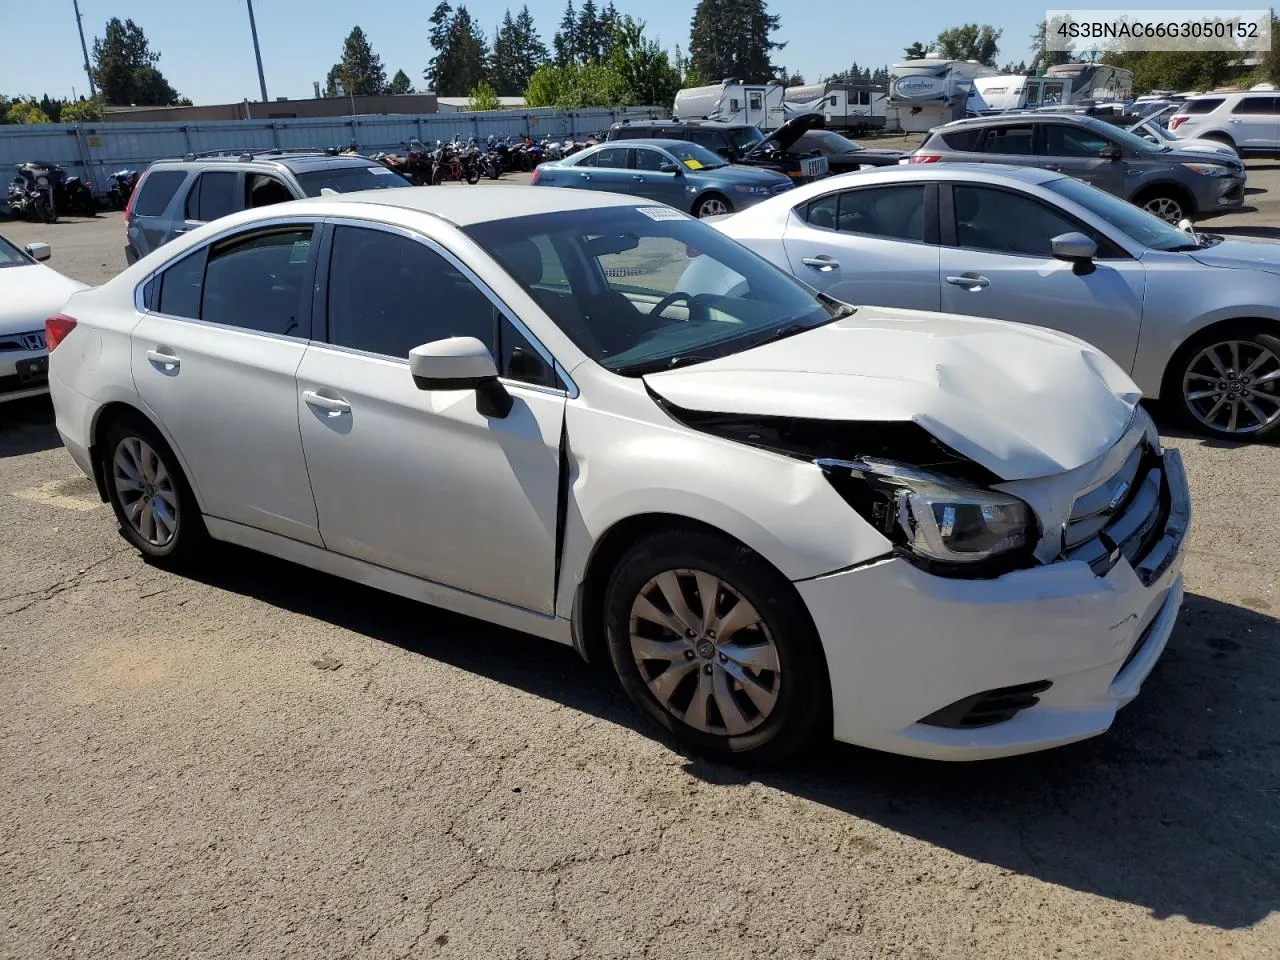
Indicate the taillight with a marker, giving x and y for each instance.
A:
(1176, 122)
(534, 178)
(56, 330)
(924, 158)
(133, 197)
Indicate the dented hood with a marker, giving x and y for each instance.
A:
(1021, 401)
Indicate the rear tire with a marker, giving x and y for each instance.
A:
(712, 205)
(757, 693)
(1235, 398)
(1169, 206)
(149, 494)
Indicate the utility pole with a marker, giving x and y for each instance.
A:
(257, 52)
(93, 92)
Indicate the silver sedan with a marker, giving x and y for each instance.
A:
(1193, 317)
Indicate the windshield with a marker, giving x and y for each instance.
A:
(10, 256)
(1130, 140)
(828, 142)
(640, 289)
(745, 139)
(350, 179)
(695, 157)
(1147, 229)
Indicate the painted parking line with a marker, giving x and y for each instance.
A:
(67, 494)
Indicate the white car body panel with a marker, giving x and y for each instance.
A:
(419, 495)
(30, 293)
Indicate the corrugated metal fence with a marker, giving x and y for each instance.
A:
(96, 150)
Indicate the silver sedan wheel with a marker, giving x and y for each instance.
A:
(712, 207)
(1166, 208)
(704, 652)
(1232, 387)
(145, 488)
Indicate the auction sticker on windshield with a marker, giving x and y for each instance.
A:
(662, 213)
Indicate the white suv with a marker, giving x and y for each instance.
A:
(1247, 120)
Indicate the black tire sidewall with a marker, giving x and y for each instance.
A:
(804, 700)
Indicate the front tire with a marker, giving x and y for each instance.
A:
(1169, 207)
(149, 494)
(1227, 384)
(715, 645)
(712, 205)
(45, 211)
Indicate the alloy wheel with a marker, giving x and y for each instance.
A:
(1166, 208)
(146, 491)
(1232, 387)
(704, 652)
(712, 207)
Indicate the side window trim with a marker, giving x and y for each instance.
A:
(321, 299)
(237, 233)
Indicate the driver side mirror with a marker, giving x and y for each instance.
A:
(461, 363)
(1110, 152)
(1078, 250)
(39, 251)
(666, 166)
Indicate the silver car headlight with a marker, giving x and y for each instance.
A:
(942, 524)
(1208, 169)
(751, 188)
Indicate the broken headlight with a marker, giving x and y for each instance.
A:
(937, 522)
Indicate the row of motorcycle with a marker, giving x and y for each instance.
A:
(468, 160)
(44, 191)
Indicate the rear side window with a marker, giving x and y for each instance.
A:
(962, 139)
(614, 157)
(212, 196)
(1255, 105)
(1009, 140)
(256, 282)
(1207, 105)
(180, 287)
(158, 188)
(896, 213)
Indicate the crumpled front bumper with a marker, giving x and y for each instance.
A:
(902, 644)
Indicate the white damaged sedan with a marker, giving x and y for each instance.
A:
(30, 293)
(779, 517)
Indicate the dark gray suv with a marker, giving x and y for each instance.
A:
(1173, 184)
(176, 196)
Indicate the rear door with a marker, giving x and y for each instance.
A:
(1074, 150)
(871, 245)
(607, 169)
(1253, 122)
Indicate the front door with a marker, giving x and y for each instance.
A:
(421, 481)
(214, 360)
(868, 245)
(656, 176)
(1253, 122)
(1001, 266)
(1075, 151)
(756, 113)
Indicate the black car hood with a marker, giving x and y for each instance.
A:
(787, 134)
(879, 158)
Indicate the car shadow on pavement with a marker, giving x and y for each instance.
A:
(1174, 809)
(27, 426)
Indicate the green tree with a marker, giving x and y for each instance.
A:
(1041, 56)
(565, 40)
(575, 86)
(52, 108)
(917, 51)
(1271, 59)
(125, 68)
(400, 84)
(462, 53)
(517, 52)
(733, 38)
(483, 97)
(82, 111)
(590, 36)
(360, 69)
(25, 111)
(971, 42)
(643, 67)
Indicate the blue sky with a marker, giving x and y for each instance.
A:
(208, 54)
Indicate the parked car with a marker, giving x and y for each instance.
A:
(1172, 184)
(29, 293)
(675, 172)
(739, 142)
(1246, 121)
(775, 515)
(845, 155)
(174, 197)
(1193, 318)
(1153, 129)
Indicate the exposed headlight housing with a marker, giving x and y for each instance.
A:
(941, 524)
(1208, 169)
(751, 188)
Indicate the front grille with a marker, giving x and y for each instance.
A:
(1120, 517)
(989, 707)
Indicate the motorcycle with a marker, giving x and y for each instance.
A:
(122, 184)
(550, 150)
(71, 195)
(31, 193)
(418, 163)
(449, 164)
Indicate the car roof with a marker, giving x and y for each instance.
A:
(977, 172)
(300, 161)
(653, 142)
(475, 204)
(718, 124)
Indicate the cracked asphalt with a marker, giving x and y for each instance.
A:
(262, 761)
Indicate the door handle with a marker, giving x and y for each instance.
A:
(585, 176)
(823, 264)
(162, 359)
(638, 177)
(1054, 167)
(971, 281)
(330, 405)
(1232, 120)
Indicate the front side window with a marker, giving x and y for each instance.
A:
(1003, 222)
(651, 160)
(650, 288)
(1065, 141)
(263, 190)
(258, 282)
(1009, 140)
(1255, 105)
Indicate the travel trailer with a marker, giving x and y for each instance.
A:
(759, 104)
(1099, 82)
(1004, 93)
(933, 90)
(844, 106)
